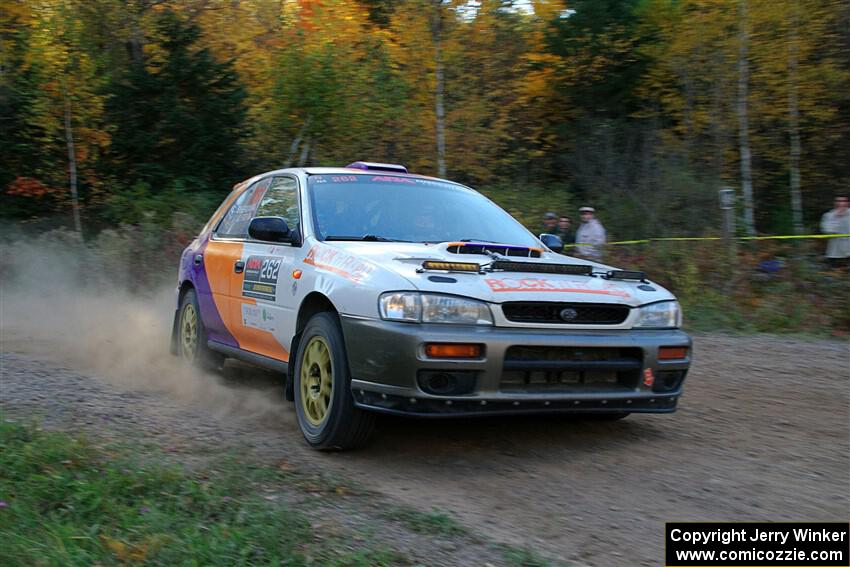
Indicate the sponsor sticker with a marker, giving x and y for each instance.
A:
(393, 179)
(532, 285)
(339, 263)
(261, 275)
(258, 317)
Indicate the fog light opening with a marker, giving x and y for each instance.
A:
(446, 383)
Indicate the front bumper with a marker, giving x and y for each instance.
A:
(387, 362)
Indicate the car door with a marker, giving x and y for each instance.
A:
(220, 256)
(267, 299)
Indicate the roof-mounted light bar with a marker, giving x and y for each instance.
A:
(374, 166)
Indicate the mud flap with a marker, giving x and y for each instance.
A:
(289, 385)
(173, 347)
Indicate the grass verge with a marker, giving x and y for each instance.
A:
(66, 501)
(434, 522)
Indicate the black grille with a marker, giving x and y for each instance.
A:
(568, 369)
(565, 313)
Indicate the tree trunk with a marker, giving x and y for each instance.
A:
(305, 153)
(293, 148)
(743, 120)
(72, 167)
(436, 34)
(794, 122)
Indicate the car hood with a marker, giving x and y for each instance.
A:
(405, 259)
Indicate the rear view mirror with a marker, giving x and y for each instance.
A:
(553, 241)
(269, 229)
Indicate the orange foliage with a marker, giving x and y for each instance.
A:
(29, 187)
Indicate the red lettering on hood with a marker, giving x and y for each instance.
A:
(531, 285)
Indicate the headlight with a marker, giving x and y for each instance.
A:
(417, 307)
(662, 315)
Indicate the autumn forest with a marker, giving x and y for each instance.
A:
(644, 108)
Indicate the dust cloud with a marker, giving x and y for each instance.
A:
(81, 307)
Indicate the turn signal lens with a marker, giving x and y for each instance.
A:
(672, 353)
(453, 350)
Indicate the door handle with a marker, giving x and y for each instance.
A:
(239, 266)
(198, 259)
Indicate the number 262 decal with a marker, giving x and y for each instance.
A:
(261, 275)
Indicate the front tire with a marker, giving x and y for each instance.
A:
(324, 405)
(192, 336)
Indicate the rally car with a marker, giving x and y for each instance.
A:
(376, 290)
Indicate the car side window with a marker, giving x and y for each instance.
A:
(281, 200)
(235, 222)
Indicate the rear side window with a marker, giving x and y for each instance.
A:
(281, 200)
(235, 222)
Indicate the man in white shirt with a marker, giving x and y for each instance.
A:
(837, 221)
(590, 236)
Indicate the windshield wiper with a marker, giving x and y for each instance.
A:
(366, 237)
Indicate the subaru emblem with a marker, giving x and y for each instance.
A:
(568, 314)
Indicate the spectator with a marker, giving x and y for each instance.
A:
(550, 223)
(590, 236)
(565, 230)
(837, 221)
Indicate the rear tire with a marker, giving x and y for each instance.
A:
(192, 336)
(324, 405)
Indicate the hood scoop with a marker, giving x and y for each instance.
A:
(485, 248)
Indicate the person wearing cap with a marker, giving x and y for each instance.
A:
(565, 230)
(550, 223)
(590, 236)
(837, 221)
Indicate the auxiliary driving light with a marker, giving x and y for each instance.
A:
(451, 266)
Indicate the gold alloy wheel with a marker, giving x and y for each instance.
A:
(189, 332)
(316, 380)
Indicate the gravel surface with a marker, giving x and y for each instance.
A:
(763, 433)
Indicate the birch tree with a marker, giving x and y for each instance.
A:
(743, 117)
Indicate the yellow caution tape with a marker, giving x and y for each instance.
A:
(695, 238)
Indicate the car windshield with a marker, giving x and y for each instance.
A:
(378, 208)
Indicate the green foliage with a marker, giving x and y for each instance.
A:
(68, 502)
(141, 204)
(528, 203)
(177, 115)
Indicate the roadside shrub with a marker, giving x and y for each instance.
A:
(764, 286)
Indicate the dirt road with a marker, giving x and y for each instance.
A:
(763, 433)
